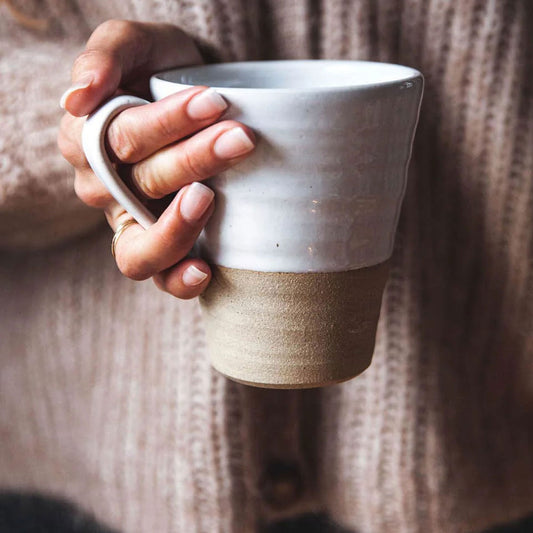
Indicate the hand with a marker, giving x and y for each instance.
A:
(170, 145)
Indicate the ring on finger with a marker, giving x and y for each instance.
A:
(119, 231)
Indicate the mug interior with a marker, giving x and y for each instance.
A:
(291, 74)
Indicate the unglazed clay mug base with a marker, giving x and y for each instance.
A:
(292, 330)
(303, 229)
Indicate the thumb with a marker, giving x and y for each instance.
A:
(119, 52)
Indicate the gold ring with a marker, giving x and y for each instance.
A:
(119, 232)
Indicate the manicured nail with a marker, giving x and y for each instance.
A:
(233, 143)
(82, 83)
(193, 276)
(195, 201)
(206, 104)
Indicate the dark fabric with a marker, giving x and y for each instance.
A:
(321, 524)
(522, 526)
(35, 513)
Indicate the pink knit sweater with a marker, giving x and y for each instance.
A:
(106, 395)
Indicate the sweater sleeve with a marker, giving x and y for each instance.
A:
(38, 206)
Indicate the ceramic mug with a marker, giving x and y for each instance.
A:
(303, 229)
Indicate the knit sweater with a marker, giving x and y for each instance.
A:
(106, 395)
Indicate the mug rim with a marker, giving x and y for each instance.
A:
(410, 74)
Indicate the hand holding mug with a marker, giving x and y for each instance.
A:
(301, 240)
(169, 145)
(299, 246)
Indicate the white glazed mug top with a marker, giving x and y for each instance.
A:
(323, 189)
(290, 75)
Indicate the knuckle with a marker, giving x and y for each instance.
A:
(122, 140)
(134, 33)
(133, 268)
(85, 57)
(91, 194)
(65, 146)
(193, 164)
(165, 126)
(113, 26)
(66, 122)
(147, 182)
(160, 282)
(68, 147)
(181, 241)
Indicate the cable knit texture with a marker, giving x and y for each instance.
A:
(106, 395)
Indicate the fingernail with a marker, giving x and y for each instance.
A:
(195, 201)
(233, 143)
(206, 104)
(193, 276)
(82, 83)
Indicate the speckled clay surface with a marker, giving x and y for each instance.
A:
(287, 330)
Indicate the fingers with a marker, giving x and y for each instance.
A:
(140, 131)
(119, 56)
(69, 141)
(159, 251)
(141, 254)
(185, 280)
(87, 186)
(91, 191)
(203, 155)
(119, 52)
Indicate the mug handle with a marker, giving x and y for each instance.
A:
(93, 142)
